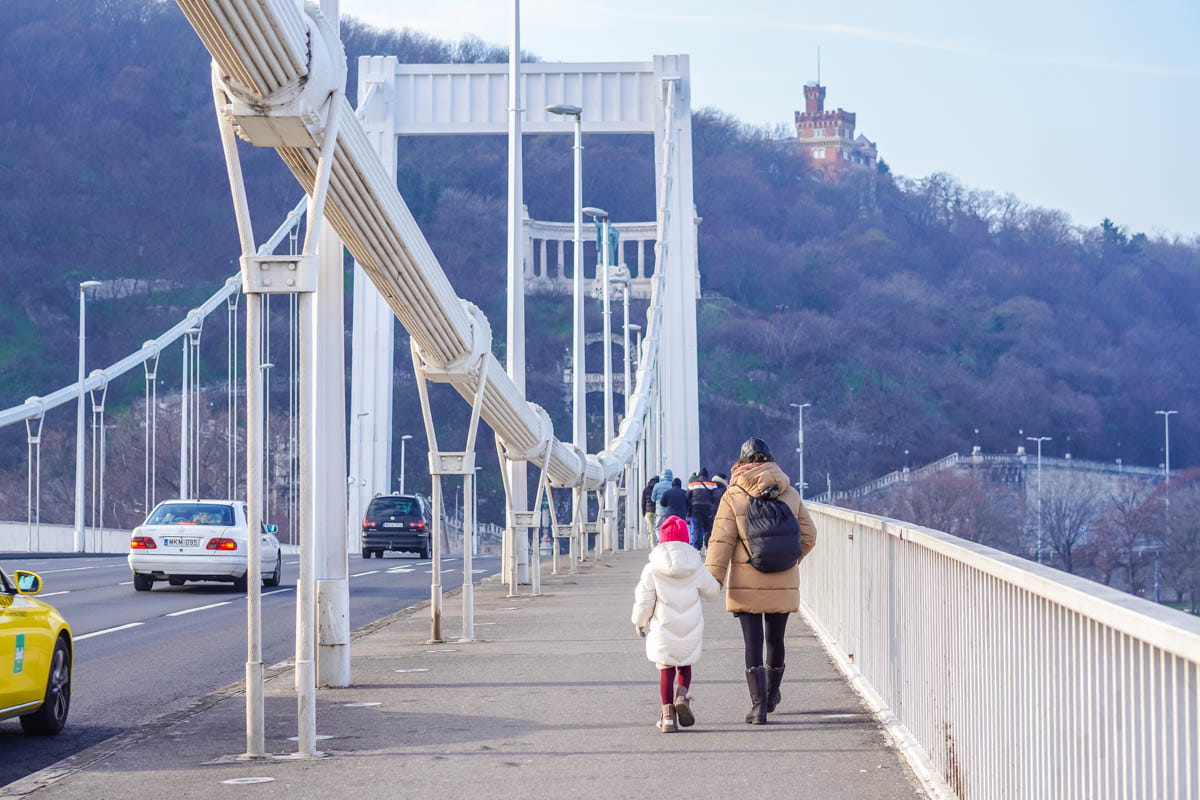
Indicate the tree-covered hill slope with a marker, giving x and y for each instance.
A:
(908, 312)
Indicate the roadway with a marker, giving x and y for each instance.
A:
(139, 655)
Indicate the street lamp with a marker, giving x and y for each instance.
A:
(637, 346)
(475, 514)
(800, 439)
(356, 522)
(1039, 440)
(1166, 415)
(79, 438)
(601, 218)
(626, 284)
(579, 353)
(403, 440)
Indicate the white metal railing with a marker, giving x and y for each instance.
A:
(887, 480)
(955, 459)
(1000, 678)
(1081, 465)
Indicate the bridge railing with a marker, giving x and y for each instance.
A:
(1000, 678)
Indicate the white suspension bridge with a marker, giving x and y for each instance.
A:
(996, 677)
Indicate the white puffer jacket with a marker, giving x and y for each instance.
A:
(668, 598)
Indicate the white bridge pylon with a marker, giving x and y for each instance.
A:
(278, 80)
(464, 99)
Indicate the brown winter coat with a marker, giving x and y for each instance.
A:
(728, 559)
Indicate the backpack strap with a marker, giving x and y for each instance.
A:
(741, 538)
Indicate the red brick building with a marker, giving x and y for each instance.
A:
(828, 138)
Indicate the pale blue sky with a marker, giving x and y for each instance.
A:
(1088, 107)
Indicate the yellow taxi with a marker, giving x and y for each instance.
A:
(35, 656)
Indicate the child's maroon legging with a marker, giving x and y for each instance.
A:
(666, 681)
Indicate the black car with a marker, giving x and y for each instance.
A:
(396, 522)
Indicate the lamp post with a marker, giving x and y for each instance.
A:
(601, 218)
(79, 438)
(403, 440)
(579, 359)
(637, 346)
(626, 283)
(1039, 440)
(800, 439)
(475, 515)
(1166, 415)
(268, 470)
(358, 482)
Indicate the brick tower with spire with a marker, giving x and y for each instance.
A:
(827, 138)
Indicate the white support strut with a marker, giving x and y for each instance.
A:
(271, 55)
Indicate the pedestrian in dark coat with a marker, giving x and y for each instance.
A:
(701, 506)
(648, 509)
(674, 500)
(722, 484)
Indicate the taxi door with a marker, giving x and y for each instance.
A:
(19, 666)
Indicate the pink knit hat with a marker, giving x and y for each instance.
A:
(674, 530)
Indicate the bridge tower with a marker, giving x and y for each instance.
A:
(457, 99)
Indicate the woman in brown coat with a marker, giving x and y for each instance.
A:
(761, 601)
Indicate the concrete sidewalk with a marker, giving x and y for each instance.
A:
(556, 699)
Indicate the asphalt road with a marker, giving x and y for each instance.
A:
(139, 655)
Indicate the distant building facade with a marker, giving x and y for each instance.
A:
(828, 139)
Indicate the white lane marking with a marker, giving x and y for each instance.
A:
(198, 608)
(275, 591)
(400, 570)
(77, 569)
(477, 571)
(448, 569)
(108, 630)
(368, 572)
(124, 583)
(52, 594)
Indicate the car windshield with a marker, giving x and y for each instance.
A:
(192, 514)
(395, 506)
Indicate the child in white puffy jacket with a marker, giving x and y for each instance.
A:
(668, 613)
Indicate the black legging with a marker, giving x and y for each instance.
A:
(753, 628)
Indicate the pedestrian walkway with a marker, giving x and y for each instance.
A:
(556, 700)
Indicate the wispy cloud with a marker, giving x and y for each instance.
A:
(941, 45)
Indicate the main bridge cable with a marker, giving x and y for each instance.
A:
(371, 218)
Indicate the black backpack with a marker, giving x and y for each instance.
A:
(772, 535)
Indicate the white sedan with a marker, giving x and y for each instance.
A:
(199, 540)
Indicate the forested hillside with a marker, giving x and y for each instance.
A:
(908, 312)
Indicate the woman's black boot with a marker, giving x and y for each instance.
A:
(756, 681)
(774, 679)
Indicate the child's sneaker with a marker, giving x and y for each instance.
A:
(683, 708)
(666, 723)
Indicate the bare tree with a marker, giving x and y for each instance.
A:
(1122, 531)
(1070, 509)
(961, 504)
(1179, 555)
